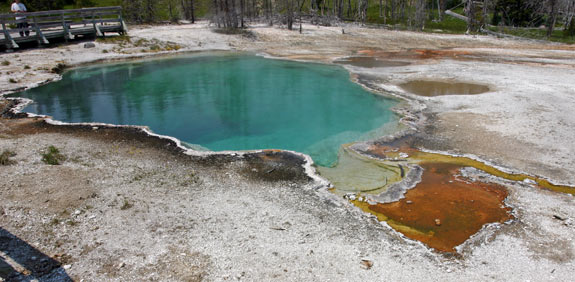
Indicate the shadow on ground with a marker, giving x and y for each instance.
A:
(19, 261)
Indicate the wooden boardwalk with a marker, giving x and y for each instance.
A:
(61, 24)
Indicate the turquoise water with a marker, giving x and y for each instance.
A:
(223, 102)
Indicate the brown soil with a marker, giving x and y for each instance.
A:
(430, 88)
(370, 62)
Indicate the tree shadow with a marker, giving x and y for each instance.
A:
(19, 261)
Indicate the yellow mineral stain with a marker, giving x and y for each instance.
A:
(417, 156)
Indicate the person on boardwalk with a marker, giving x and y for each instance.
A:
(19, 8)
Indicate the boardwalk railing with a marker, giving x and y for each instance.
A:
(46, 25)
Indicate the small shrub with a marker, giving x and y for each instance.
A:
(59, 68)
(141, 42)
(12, 80)
(71, 222)
(114, 39)
(126, 205)
(105, 51)
(6, 63)
(191, 180)
(27, 67)
(569, 31)
(171, 46)
(5, 157)
(52, 156)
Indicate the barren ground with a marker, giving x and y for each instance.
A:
(124, 206)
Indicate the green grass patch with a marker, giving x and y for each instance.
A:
(558, 35)
(52, 156)
(447, 25)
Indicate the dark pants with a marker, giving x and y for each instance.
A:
(23, 27)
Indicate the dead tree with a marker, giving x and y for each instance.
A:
(226, 14)
(474, 13)
(362, 10)
(552, 9)
(188, 10)
(420, 14)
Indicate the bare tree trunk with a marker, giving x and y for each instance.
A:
(485, 13)
(551, 17)
(192, 11)
(242, 13)
(349, 8)
(150, 11)
(394, 9)
(420, 14)
(216, 14)
(171, 11)
(404, 11)
(471, 13)
(271, 8)
(289, 14)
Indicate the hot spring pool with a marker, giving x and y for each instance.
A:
(224, 102)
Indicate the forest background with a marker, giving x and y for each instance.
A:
(538, 19)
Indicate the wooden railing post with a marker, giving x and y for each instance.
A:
(10, 43)
(96, 28)
(124, 26)
(39, 34)
(67, 34)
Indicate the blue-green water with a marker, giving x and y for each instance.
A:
(223, 102)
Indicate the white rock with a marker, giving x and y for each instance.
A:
(529, 181)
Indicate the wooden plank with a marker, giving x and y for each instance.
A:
(67, 34)
(99, 21)
(51, 24)
(14, 21)
(12, 30)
